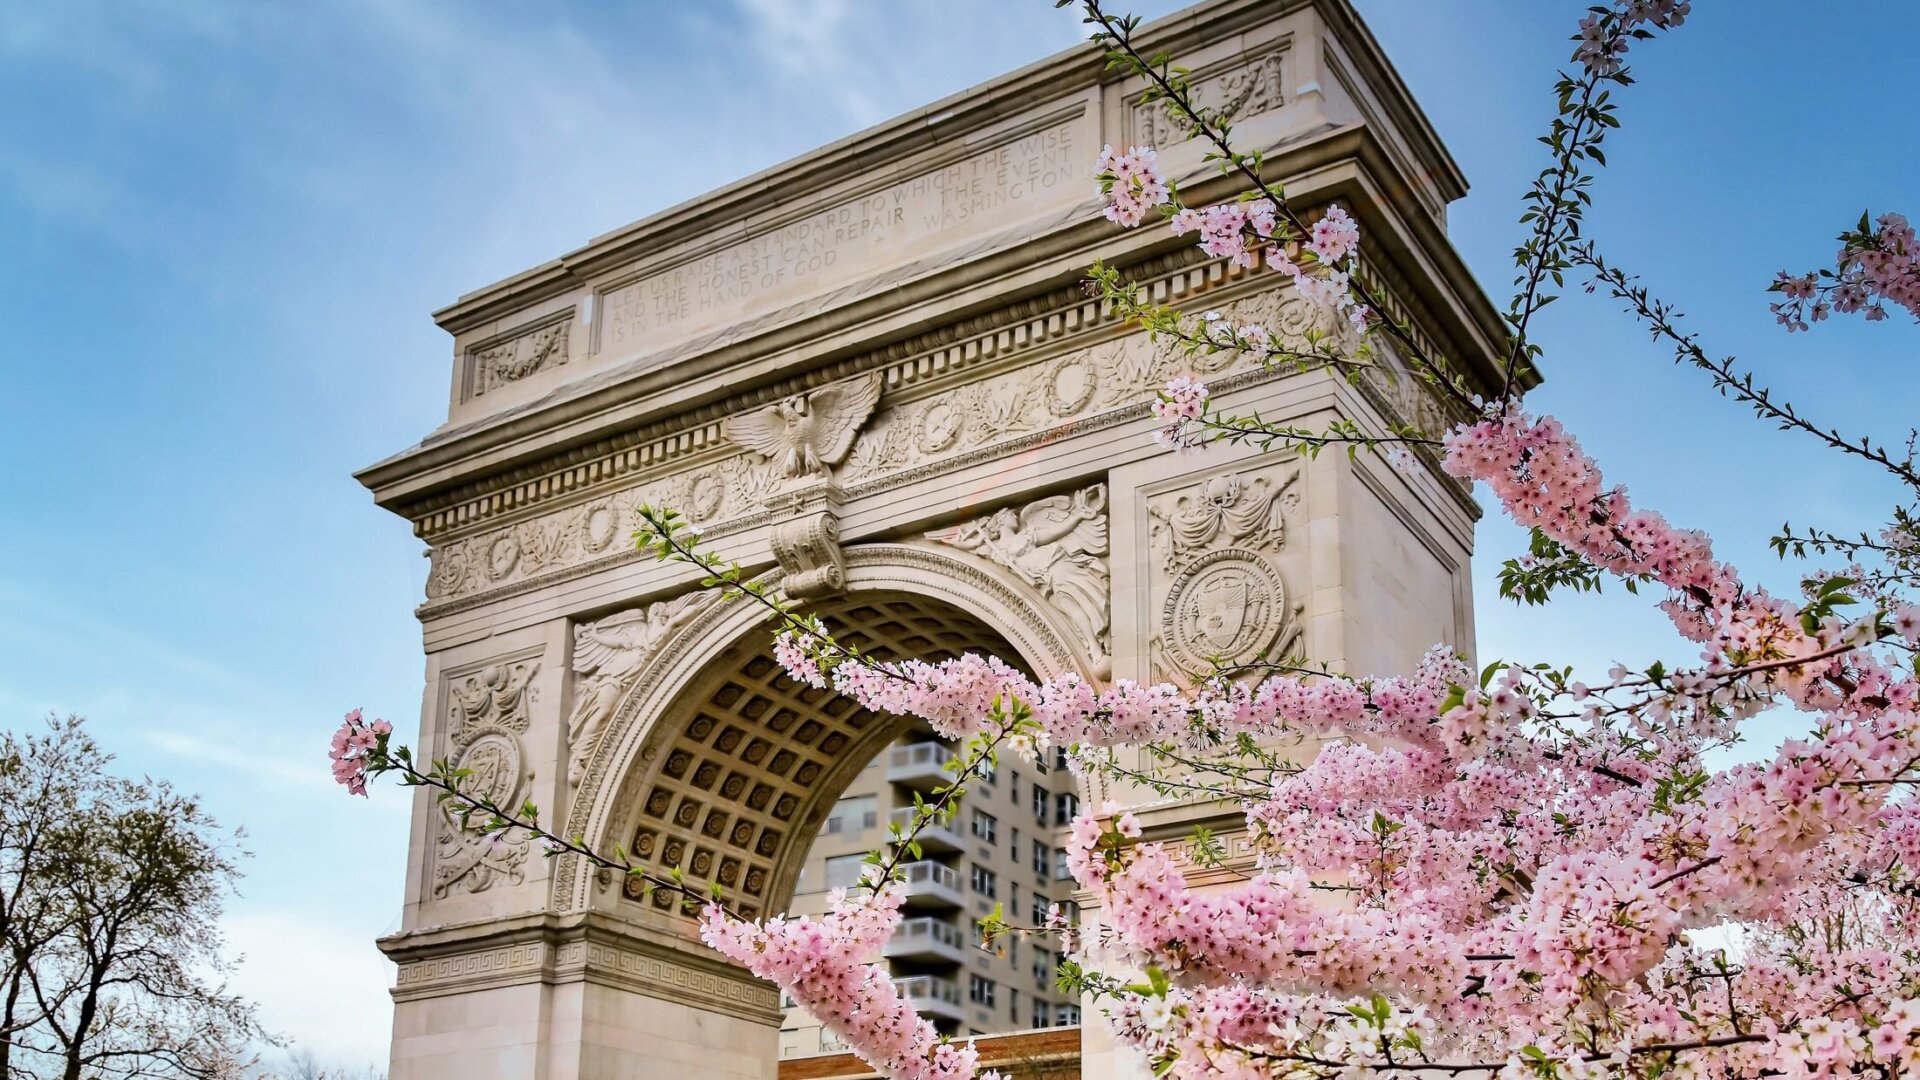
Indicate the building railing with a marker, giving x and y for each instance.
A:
(926, 872)
(921, 989)
(919, 756)
(938, 931)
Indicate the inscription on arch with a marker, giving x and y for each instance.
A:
(1021, 176)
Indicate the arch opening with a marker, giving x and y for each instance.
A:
(741, 777)
(743, 766)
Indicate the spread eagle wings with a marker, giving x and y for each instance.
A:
(836, 414)
(813, 431)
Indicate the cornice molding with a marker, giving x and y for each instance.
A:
(583, 947)
(1080, 68)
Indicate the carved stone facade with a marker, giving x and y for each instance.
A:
(1219, 594)
(1058, 547)
(487, 716)
(520, 354)
(608, 654)
(1234, 91)
(887, 395)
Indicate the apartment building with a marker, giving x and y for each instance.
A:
(1002, 847)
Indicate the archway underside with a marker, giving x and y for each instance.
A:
(748, 761)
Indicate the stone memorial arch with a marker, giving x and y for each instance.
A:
(873, 376)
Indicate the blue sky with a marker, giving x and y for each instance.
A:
(222, 227)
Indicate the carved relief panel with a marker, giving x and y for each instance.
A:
(487, 713)
(516, 355)
(608, 654)
(1237, 91)
(1226, 580)
(1058, 547)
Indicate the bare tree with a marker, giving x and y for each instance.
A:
(301, 1064)
(37, 772)
(113, 890)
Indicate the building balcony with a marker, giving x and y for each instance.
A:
(932, 996)
(937, 836)
(920, 766)
(926, 941)
(931, 885)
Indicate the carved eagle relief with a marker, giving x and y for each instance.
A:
(808, 433)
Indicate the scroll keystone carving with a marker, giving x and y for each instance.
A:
(807, 543)
(1058, 545)
(808, 433)
(607, 656)
(490, 711)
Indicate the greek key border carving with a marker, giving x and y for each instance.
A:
(598, 961)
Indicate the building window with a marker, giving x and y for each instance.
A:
(1066, 807)
(1013, 785)
(984, 825)
(1013, 1005)
(1013, 904)
(852, 815)
(1066, 1015)
(1059, 757)
(1014, 844)
(1042, 1014)
(1039, 910)
(843, 871)
(1040, 805)
(1043, 968)
(985, 881)
(1041, 859)
(1060, 871)
(980, 990)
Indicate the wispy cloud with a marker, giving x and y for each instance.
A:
(318, 981)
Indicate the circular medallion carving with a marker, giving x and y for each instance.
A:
(940, 425)
(1071, 385)
(502, 556)
(1227, 604)
(600, 529)
(492, 762)
(704, 496)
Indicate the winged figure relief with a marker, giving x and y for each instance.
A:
(606, 656)
(1058, 545)
(808, 433)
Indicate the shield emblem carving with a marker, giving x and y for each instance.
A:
(1227, 604)
(1221, 610)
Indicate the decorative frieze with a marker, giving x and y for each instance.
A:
(957, 424)
(649, 972)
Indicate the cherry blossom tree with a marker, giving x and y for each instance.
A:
(1502, 872)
